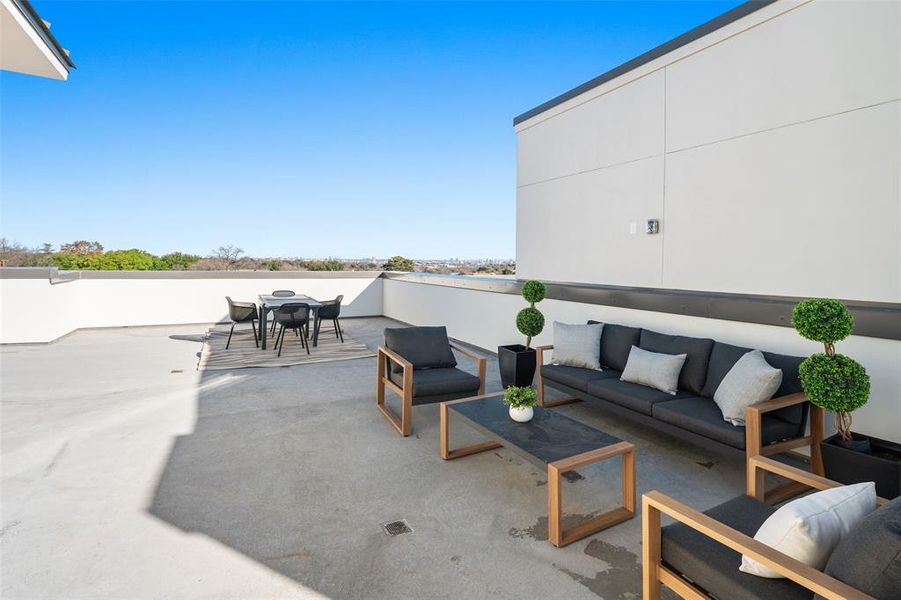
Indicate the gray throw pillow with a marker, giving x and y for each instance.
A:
(578, 345)
(653, 369)
(749, 381)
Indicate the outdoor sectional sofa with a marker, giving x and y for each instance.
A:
(773, 426)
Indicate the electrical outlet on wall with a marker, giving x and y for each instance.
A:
(633, 228)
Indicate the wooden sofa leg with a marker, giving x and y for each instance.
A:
(650, 551)
(817, 433)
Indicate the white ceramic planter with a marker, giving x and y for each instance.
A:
(521, 414)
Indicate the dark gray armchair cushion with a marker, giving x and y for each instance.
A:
(702, 416)
(869, 557)
(714, 567)
(616, 343)
(425, 347)
(640, 398)
(724, 356)
(694, 372)
(574, 377)
(439, 382)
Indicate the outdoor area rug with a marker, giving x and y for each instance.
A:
(243, 353)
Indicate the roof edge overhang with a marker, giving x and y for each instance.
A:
(698, 32)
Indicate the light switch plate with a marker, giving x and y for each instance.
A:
(633, 228)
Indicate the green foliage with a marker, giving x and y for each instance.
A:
(398, 263)
(822, 320)
(177, 261)
(533, 291)
(325, 265)
(835, 383)
(520, 397)
(530, 322)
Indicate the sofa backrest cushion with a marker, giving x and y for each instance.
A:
(694, 373)
(869, 557)
(724, 356)
(425, 347)
(616, 343)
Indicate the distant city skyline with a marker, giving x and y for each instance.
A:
(298, 129)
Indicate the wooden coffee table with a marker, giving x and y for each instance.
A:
(550, 439)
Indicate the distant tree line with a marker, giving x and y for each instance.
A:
(83, 255)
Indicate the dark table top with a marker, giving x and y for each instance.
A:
(550, 436)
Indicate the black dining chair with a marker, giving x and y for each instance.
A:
(280, 294)
(294, 316)
(330, 311)
(242, 312)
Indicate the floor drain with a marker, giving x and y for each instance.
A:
(397, 527)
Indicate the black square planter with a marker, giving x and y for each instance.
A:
(517, 365)
(849, 466)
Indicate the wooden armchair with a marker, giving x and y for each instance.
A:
(667, 552)
(418, 365)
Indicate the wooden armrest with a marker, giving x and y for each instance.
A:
(795, 474)
(465, 352)
(539, 354)
(403, 362)
(789, 472)
(777, 403)
(803, 575)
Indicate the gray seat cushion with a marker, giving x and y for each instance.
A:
(714, 567)
(724, 356)
(694, 372)
(574, 377)
(869, 557)
(616, 343)
(425, 347)
(439, 382)
(702, 416)
(637, 397)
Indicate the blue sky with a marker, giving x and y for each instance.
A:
(299, 129)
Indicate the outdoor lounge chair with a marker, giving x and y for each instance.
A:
(699, 555)
(418, 364)
(242, 312)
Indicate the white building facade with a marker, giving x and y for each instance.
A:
(767, 145)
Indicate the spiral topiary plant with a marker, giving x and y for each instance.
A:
(834, 382)
(530, 321)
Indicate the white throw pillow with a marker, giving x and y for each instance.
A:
(654, 369)
(750, 380)
(578, 345)
(808, 529)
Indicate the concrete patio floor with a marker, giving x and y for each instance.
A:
(128, 474)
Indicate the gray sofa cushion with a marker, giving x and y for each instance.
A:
(575, 377)
(425, 347)
(724, 356)
(714, 567)
(577, 345)
(702, 416)
(616, 343)
(751, 380)
(869, 557)
(654, 369)
(433, 382)
(637, 397)
(694, 373)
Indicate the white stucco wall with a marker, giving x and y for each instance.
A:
(770, 150)
(488, 320)
(34, 310)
